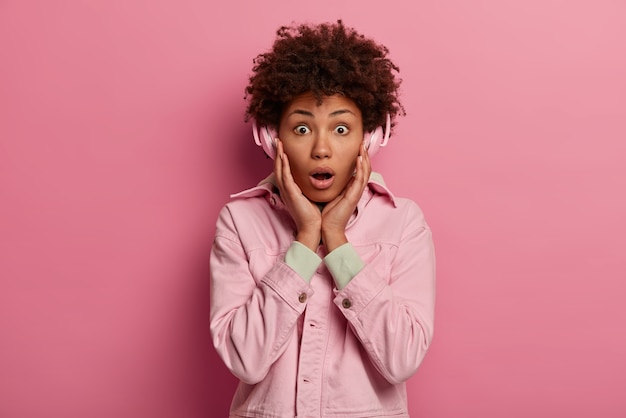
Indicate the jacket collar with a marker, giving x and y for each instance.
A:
(267, 187)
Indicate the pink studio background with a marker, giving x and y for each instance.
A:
(121, 136)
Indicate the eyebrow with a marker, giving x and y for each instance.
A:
(307, 113)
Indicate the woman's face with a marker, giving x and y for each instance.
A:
(322, 142)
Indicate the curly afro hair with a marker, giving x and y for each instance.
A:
(324, 59)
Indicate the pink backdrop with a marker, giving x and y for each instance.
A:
(122, 135)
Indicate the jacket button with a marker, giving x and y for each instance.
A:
(346, 303)
(302, 297)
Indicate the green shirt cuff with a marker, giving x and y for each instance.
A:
(343, 263)
(302, 260)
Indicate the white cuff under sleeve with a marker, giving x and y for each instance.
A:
(302, 260)
(343, 263)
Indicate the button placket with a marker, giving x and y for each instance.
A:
(311, 359)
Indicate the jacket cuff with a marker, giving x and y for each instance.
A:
(343, 263)
(302, 260)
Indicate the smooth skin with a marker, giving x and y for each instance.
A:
(327, 136)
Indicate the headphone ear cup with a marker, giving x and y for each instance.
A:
(373, 141)
(377, 138)
(265, 137)
(268, 142)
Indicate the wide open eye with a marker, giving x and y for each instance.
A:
(302, 130)
(342, 130)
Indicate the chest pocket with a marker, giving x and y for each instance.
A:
(261, 261)
(377, 256)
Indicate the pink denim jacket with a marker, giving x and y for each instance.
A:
(311, 350)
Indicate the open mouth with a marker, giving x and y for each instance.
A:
(322, 177)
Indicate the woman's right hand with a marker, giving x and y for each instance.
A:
(305, 214)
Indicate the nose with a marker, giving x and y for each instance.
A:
(321, 146)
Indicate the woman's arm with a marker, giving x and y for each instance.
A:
(251, 323)
(394, 320)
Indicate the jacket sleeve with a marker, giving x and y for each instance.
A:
(252, 321)
(394, 318)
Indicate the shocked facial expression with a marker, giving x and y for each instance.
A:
(322, 142)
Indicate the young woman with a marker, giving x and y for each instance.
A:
(323, 282)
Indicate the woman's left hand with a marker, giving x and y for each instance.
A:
(337, 212)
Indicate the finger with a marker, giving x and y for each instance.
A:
(367, 165)
(360, 175)
(287, 178)
(365, 162)
(289, 184)
(355, 187)
(278, 165)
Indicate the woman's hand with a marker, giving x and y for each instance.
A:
(337, 212)
(306, 214)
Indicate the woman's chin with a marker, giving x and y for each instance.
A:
(321, 196)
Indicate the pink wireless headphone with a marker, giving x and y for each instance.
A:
(265, 137)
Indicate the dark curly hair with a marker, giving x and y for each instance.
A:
(324, 59)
